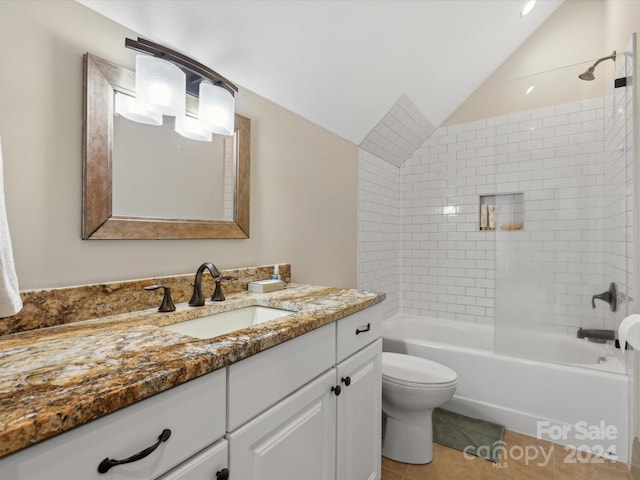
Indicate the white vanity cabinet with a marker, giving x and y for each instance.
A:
(307, 409)
(328, 427)
(194, 412)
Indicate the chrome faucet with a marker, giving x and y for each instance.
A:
(197, 299)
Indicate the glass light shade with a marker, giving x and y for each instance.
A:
(190, 127)
(132, 109)
(216, 108)
(160, 85)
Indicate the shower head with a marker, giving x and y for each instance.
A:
(589, 74)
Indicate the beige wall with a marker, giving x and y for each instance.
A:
(572, 35)
(303, 193)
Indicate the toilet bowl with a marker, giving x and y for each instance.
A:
(411, 388)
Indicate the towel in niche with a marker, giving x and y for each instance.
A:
(10, 301)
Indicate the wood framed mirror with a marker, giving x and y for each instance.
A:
(100, 220)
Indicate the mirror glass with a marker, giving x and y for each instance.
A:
(142, 181)
(174, 184)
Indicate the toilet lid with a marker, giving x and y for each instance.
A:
(412, 370)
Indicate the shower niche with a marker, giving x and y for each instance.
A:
(501, 211)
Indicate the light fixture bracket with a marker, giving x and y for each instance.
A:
(195, 71)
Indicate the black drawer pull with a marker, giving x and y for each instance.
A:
(222, 474)
(366, 329)
(107, 463)
(346, 381)
(337, 389)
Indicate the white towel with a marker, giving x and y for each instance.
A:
(10, 301)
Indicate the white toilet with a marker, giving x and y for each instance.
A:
(411, 388)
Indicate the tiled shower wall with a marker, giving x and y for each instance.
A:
(400, 132)
(448, 264)
(379, 228)
(546, 272)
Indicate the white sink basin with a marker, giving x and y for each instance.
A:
(225, 322)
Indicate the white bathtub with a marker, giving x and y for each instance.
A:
(567, 404)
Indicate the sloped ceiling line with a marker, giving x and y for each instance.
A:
(399, 134)
(340, 63)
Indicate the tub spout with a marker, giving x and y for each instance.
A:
(598, 336)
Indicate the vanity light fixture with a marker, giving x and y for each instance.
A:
(132, 109)
(216, 107)
(160, 85)
(164, 77)
(192, 128)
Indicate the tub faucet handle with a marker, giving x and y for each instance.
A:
(610, 297)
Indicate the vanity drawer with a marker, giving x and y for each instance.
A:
(260, 381)
(193, 411)
(357, 331)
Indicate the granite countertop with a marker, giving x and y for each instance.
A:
(54, 379)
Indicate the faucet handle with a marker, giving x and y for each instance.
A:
(218, 296)
(167, 303)
(610, 297)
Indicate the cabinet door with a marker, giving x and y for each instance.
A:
(359, 415)
(293, 440)
(206, 465)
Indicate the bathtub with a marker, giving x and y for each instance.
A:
(586, 408)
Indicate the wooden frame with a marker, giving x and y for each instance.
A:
(101, 79)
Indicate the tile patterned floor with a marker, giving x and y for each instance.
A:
(524, 458)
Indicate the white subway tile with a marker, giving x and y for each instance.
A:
(557, 164)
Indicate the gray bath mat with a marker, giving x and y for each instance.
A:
(480, 438)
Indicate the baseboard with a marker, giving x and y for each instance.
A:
(634, 472)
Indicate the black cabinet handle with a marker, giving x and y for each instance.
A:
(222, 474)
(107, 463)
(337, 389)
(366, 329)
(346, 381)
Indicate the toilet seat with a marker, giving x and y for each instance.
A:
(416, 372)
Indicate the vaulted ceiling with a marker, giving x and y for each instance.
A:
(341, 64)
